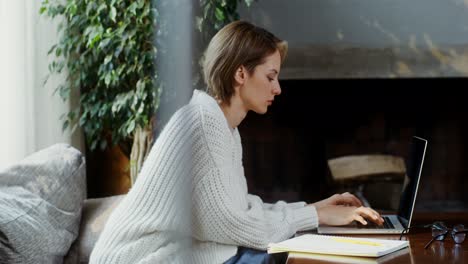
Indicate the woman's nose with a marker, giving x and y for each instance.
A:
(277, 89)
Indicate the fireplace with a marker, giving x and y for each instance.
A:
(285, 151)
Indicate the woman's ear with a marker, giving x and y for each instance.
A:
(240, 75)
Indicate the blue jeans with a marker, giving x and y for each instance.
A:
(253, 256)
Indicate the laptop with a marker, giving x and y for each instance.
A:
(394, 224)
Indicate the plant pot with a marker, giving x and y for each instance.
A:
(108, 172)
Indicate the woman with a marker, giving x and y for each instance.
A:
(190, 202)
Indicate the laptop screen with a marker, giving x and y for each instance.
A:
(413, 174)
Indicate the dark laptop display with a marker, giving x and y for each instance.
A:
(411, 183)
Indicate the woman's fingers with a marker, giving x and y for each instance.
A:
(346, 199)
(370, 214)
(360, 219)
(351, 199)
(377, 215)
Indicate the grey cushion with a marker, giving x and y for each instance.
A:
(40, 205)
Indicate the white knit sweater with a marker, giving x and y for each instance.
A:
(190, 202)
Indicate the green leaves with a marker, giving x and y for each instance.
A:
(102, 7)
(113, 13)
(248, 2)
(131, 127)
(107, 49)
(219, 14)
(94, 34)
(215, 14)
(132, 9)
(108, 59)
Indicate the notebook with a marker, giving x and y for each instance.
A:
(394, 224)
(338, 245)
(399, 256)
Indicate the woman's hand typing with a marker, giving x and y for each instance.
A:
(339, 199)
(342, 209)
(336, 215)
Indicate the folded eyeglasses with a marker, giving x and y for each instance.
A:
(440, 231)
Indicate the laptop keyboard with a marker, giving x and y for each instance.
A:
(386, 225)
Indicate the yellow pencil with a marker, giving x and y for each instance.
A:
(355, 241)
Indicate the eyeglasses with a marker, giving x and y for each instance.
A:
(440, 231)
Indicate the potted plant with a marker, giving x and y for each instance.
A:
(109, 53)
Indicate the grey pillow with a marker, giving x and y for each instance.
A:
(40, 205)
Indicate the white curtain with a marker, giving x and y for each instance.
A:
(29, 112)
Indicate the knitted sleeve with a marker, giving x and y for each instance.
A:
(279, 205)
(223, 216)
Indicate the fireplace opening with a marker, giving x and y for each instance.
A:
(286, 150)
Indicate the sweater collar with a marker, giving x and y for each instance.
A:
(201, 97)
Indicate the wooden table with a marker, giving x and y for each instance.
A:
(438, 252)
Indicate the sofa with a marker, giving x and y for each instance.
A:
(94, 215)
(45, 216)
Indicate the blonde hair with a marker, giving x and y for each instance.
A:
(237, 44)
